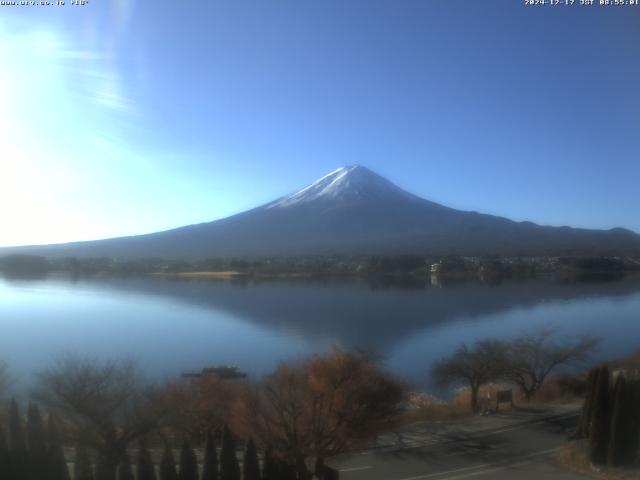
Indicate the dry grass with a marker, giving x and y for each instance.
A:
(558, 390)
(573, 457)
(630, 363)
(561, 389)
(432, 409)
(429, 408)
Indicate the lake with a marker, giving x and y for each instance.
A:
(170, 326)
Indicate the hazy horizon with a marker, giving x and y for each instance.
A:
(121, 119)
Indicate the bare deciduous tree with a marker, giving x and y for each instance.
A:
(531, 358)
(319, 408)
(471, 366)
(103, 403)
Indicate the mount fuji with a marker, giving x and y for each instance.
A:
(352, 210)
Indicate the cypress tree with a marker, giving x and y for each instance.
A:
(106, 468)
(587, 407)
(4, 455)
(269, 466)
(600, 419)
(37, 443)
(56, 461)
(35, 431)
(331, 474)
(286, 471)
(319, 467)
(229, 468)
(188, 463)
(632, 440)
(145, 468)
(82, 469)
(168, 465)
(323, 472)
(18, 455)
(251, 465)
(16, 434)
(619, 423)
(210, 466)
(124, 469)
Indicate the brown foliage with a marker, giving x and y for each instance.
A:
(320, 407)
(191, 407)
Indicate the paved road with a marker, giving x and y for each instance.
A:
(515, 445)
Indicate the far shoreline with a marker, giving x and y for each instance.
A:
(230, 274)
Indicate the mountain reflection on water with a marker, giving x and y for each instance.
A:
(175, 324)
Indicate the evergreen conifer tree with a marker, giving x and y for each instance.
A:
(331, 474)
(286, 471)
(16, 434)
(18, 454)
(145, 469)
(319, 467)
(210, 466)
(4, 455)
(36, 437)
(124, 469)
(619, 423)
(36, 440)
(229, 467)
(188, 463)
(168, 465)
(269, 466)
(56, 461)
(632, 441)
(323, 472)
(251, 464)
(82, 469)
(600, 419)
(105, 468)
(587, 407)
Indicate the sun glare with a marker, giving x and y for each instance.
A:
(51, 110)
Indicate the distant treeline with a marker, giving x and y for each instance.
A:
(28, 265)
(364, 265)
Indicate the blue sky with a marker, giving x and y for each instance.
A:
(122, 117)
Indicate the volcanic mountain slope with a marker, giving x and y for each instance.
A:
(352, 210)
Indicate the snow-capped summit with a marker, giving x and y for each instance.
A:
(351, 210)
(349, 183)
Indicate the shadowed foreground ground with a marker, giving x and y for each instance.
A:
(512, 445)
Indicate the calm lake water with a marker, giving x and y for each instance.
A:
(171, 326)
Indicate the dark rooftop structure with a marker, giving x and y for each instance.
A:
(223, 372)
